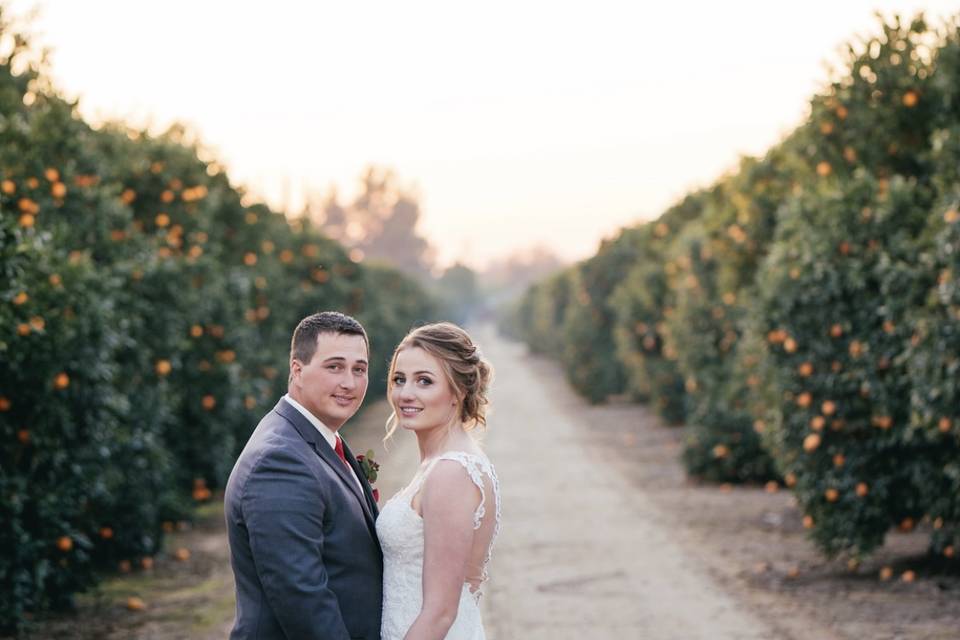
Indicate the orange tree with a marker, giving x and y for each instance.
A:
(717, 268)
(933, 358)
(643, 301)
(839, 293)
(146, 315)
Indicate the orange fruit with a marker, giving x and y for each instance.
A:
(850, 154)
(8, 187)
(842, 112)
(27, 220)
(55, 280)
(51, 174)
(908, 576)
(721, 451)
(128, 196)
(208, 402)
(889, 327)
(106, 533)
(831, 494)
(147, 563)
(944, 425)
(828, 407)
(196, 331)
(250, 259)
(886, 573)
(824, 169)
(817, 423)
(910, 99)
(906, 525)
(23, 329)
(951, 216)
(61, 381)
(162, 367)
(826, 128)
(811, 442)
(793, 572)
(839, 460)
(20, 298)
(23, 435)
(808, 522)
(771, 487)
(862, 489)
(804, 399)
(124, 566)
(805, 369)
(58, 190)
(168, 527)
(790, 479)
(64, 543)
(162, 220)
(4, 403)
(836, 331)
(135, 604)
(949, 551)
(167, 197)
(790, 345)
(182, 554)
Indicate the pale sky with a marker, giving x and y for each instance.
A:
(518, 123)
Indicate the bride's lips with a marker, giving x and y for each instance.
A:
(410, 411)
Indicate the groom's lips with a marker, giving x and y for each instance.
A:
(344, 399)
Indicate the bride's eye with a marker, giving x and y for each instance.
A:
(424, 381)
(397, 379)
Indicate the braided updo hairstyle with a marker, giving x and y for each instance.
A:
(465, 369)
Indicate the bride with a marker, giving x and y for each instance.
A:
(437, 533)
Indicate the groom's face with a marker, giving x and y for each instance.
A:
(333, 384)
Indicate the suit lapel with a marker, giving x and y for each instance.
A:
(309, 433)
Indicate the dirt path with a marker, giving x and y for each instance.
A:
(605, 537)
(582, 553)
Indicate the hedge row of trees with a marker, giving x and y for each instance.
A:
(145, 319)
(802, 314)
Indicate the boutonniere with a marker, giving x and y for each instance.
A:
(369, 466)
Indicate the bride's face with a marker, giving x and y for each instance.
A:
(420, 393)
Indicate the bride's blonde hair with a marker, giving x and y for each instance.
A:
(463, 366)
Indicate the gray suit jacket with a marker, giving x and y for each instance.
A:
(303, 543)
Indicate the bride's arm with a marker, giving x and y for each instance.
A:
(448, 502)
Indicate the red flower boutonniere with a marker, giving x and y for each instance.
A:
(369, 466)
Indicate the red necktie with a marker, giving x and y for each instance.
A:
(339, 449)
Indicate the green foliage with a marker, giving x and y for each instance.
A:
(802, 314)
(145, 319)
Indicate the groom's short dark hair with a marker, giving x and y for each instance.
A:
(304, 342)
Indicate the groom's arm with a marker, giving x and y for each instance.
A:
(284, 518)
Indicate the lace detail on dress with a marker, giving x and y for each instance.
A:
(400, 529)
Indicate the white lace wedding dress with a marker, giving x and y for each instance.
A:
(400, 530)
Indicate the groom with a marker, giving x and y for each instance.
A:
(300, 513)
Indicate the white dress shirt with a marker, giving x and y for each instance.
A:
(328, 434)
